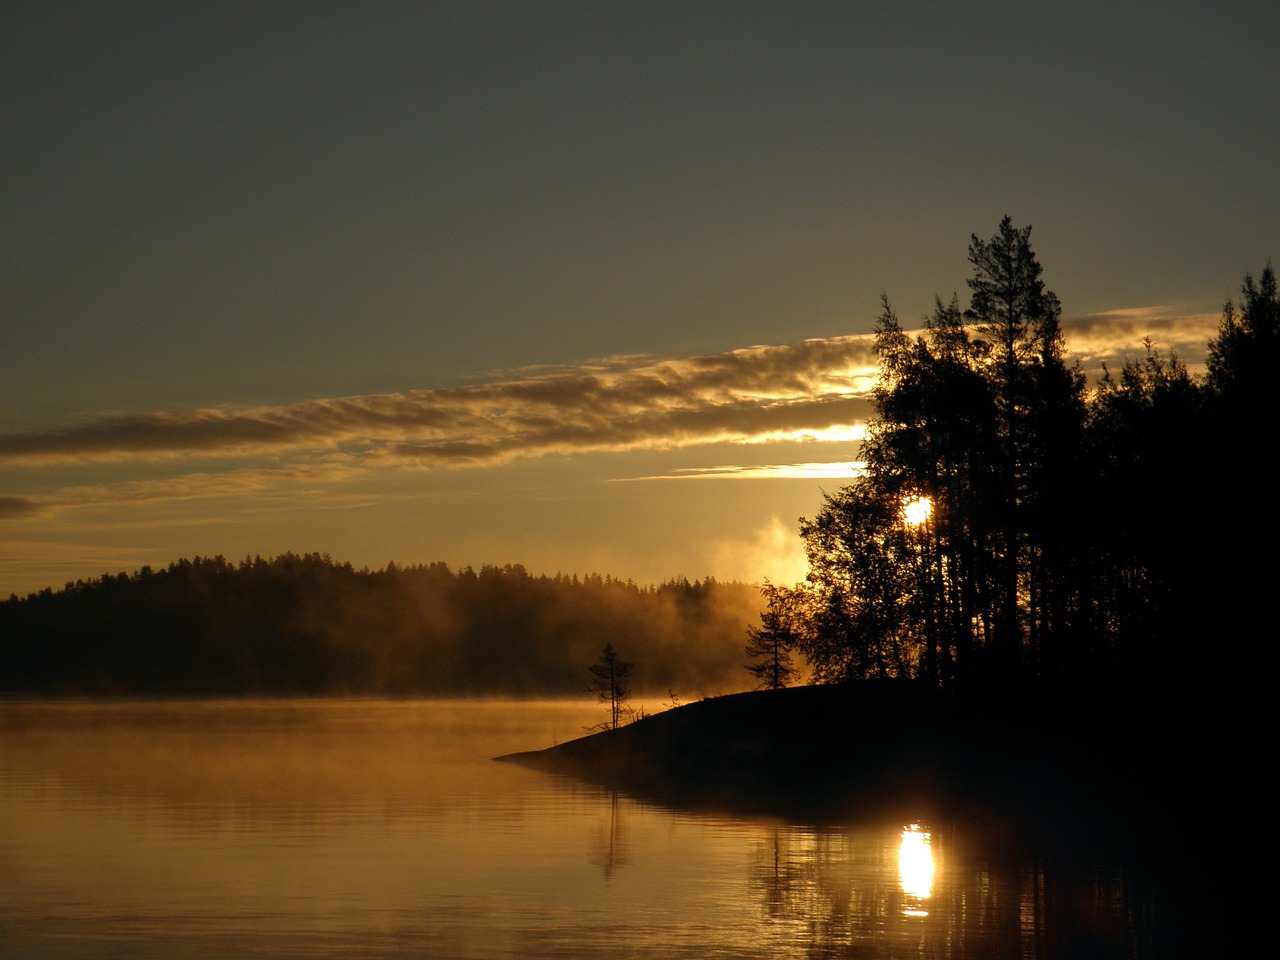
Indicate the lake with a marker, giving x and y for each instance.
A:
(383, 829)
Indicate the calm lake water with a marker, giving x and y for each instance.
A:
(383, 829)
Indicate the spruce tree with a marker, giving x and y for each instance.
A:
(771, 643)
(610, 684)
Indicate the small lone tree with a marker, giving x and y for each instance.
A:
(610, 684)
(771, 643)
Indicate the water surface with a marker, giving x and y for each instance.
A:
(383, 829)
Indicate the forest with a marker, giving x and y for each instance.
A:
(308, 625)
(1016, 528)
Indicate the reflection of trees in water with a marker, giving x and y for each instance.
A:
(838, 893)
(834, 891)
(609, 847)
(1081, 911)
(776, 875)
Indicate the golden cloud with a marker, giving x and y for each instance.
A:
(814, 391)
(1116, 336)
(626, 403)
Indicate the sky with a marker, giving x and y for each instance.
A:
(581, 286)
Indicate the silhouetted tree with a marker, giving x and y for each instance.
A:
(1039, 412)
(771, 643)
(1144, 568)
(979, 424)
(1243, 400)
(1240, 357)
(1240, 520)
(858, 607)
(1008, 523)
(610, 684)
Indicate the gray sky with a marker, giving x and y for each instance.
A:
(339, 276)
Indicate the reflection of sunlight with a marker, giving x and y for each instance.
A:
(915, 870)
(916, 510)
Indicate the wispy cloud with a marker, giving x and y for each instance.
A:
(1117, 335)
(816, 391)
(12, 508)
(770, 392)
(833, 470)
(45, 562)
(257, 482)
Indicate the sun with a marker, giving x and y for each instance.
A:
(916, 510)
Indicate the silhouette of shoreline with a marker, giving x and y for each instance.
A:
(1062, 764)
(1067, 783)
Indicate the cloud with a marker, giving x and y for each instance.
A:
(749, 395)
(825, 470)
(39, 563)
(816, 391)
(1117, 335)
(13, 508)
(664, 427)
(260, 483)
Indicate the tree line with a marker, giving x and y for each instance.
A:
(308, 625)
(1014, 524)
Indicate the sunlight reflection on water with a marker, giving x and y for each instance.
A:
(915, 870)
(316, 829)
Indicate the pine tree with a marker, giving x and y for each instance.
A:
(1239, 517)
(979, 422)
(610, 684)
(1039, 413)
(771, 643)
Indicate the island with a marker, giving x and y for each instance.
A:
(1066, 761)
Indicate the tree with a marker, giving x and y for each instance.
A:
(1039, 414)
(1242, 355)
(1239, 518)
(610, 684)
(978, 423)
(1142, 573)
(1242, 361)
(861, 588)
(934, 445)
(771, 643)
(1008, 525)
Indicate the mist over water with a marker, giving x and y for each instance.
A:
(298, 626)
(382, 828)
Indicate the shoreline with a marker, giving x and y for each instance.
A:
(870, 750)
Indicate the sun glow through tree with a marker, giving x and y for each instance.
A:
(916, 510)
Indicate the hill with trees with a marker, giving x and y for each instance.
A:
(1042, 608)
(308, 625)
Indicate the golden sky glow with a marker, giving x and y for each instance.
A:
(352, 293)
(341, 473)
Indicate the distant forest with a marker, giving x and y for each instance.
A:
(308, 625)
